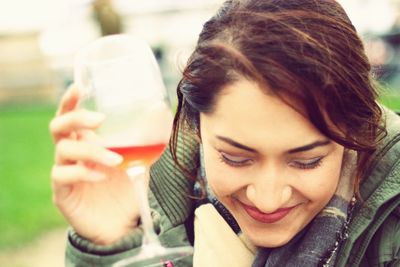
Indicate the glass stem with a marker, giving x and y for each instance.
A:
(137, 177)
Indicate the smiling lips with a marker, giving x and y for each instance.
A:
(257, 215)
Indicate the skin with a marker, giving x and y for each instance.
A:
(251, 144)
(95, 196)
(85, 170)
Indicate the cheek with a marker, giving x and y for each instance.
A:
(222, 179)
(320, 186)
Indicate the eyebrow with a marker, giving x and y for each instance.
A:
(309, 146)
(235, 144)
(291, 151)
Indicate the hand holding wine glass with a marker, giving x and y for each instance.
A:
(119, 77)
(94, 196)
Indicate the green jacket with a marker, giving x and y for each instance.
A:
(374, 232)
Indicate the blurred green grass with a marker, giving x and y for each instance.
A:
(26, 156)
(391, 101)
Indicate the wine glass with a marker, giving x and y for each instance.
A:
(119, 76)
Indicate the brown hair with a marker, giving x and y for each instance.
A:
(305, 49)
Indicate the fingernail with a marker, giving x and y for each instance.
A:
(112, 159)
(94, 118)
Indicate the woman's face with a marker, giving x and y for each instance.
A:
(270, 167)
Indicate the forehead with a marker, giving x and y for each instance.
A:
(248, 98)
(245, 112)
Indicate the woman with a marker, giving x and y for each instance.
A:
(280, 154)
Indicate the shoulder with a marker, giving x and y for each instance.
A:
(383, 237)
(384, 247)
(377, 245)
(374, 232)
(383, 182)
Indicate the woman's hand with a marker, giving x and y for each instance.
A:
(96, 198)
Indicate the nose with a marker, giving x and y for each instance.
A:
(270, 190)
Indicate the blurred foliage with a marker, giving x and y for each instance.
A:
(391, 101)
(26, 208)
(389, 94)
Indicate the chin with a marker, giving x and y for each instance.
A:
(271, 238)
(269, 241)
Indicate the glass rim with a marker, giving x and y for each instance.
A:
(82, 56)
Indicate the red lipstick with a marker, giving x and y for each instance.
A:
(260, 216)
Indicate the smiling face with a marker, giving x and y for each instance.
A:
(269, 166)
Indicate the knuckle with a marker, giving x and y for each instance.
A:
(92, 151)
(84, 173)
(76, 119)
(79, 171)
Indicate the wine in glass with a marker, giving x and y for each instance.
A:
(119, 77)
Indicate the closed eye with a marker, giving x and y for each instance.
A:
(307, 164)
(235, 161)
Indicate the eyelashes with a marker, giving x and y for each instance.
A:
(310, 164)
(237, 161)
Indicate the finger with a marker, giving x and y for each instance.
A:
(61, 192)
(71, 174)
(69, 100)
(90, 136)
(62, 126)
(68, 151)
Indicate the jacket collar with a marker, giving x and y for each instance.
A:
(380, 192)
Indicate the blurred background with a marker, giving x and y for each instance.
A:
(38, 41)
